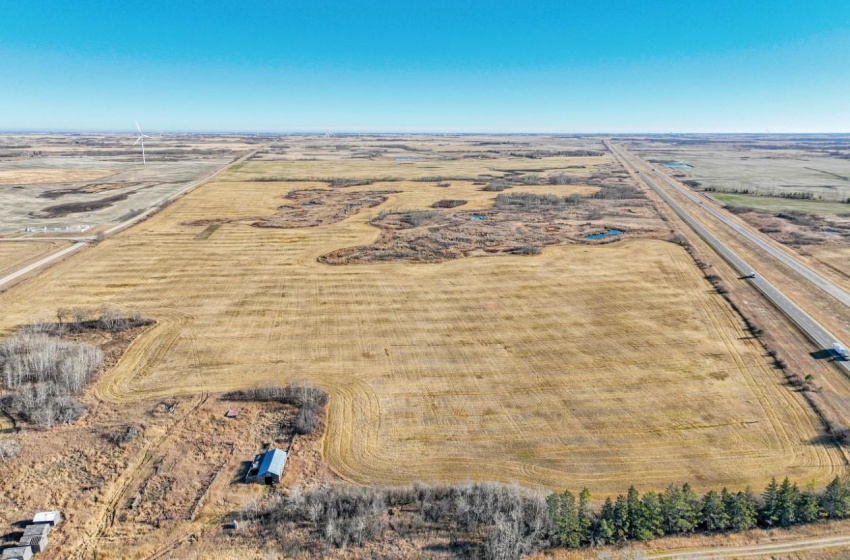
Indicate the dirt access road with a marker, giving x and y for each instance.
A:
(80, 243)
(757, 550)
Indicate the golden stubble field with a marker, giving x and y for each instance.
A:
(14, 254)
(598, 366)
(47, 175)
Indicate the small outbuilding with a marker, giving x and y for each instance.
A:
(36, 544)
(35, 537)
(17, 553)
(232, 413)
(52, 518)
(267, 468)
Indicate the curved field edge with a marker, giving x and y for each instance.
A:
(597, 366)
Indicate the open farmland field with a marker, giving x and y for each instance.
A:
(794, 189)
(777, 204)
(598, 365)
(28, 175)
(742, 164)
(57, 194)
(834, 257)
(17, 253)
(387, 167)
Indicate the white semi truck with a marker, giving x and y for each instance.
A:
(840, 351)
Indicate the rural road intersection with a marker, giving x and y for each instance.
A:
(79, 243)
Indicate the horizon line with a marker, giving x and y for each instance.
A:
(309, 132)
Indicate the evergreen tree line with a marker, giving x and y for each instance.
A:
(679, 510)
(506, 522)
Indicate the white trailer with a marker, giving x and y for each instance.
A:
(840, 351)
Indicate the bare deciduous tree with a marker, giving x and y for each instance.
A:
(46, 371)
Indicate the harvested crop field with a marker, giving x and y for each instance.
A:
(28, 176)
(585, 365)
(377, 169)
(13, 254)
(72, 191)
(310, 208)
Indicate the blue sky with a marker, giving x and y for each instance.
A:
(461, 65)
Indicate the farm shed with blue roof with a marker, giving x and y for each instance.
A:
(267, 468)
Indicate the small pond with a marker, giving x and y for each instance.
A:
(676, 165)
(605, 233)
(478, 216)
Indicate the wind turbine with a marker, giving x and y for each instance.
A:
(141, 139)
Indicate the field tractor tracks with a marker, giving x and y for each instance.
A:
(106, 517)
(167, 550)
(141, 357)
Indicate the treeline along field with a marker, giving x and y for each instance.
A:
(498, 522)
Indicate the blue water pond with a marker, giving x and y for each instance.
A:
(478, 216)
(603, 234)
(676, 165)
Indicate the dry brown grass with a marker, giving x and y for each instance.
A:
(131, 500)
(34, 176)
(835, 258)
(519, 223)
(805, 235)
(584, 366)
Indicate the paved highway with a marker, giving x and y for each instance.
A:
(788, 260)
(84, 241)
(811, 328)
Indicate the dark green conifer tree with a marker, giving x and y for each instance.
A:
(770, 509)
(742, 510)
(714, 515)
(633, 507)
(621, 518)
(788, 499)
(808, 508)
(651, 519)
(681, 509)
(604, 528)
(585, 516)
(563, 511)
(835, 500)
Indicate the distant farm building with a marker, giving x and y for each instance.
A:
(232, 413)
(17, 553)
(267, 467)
(52, 518)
